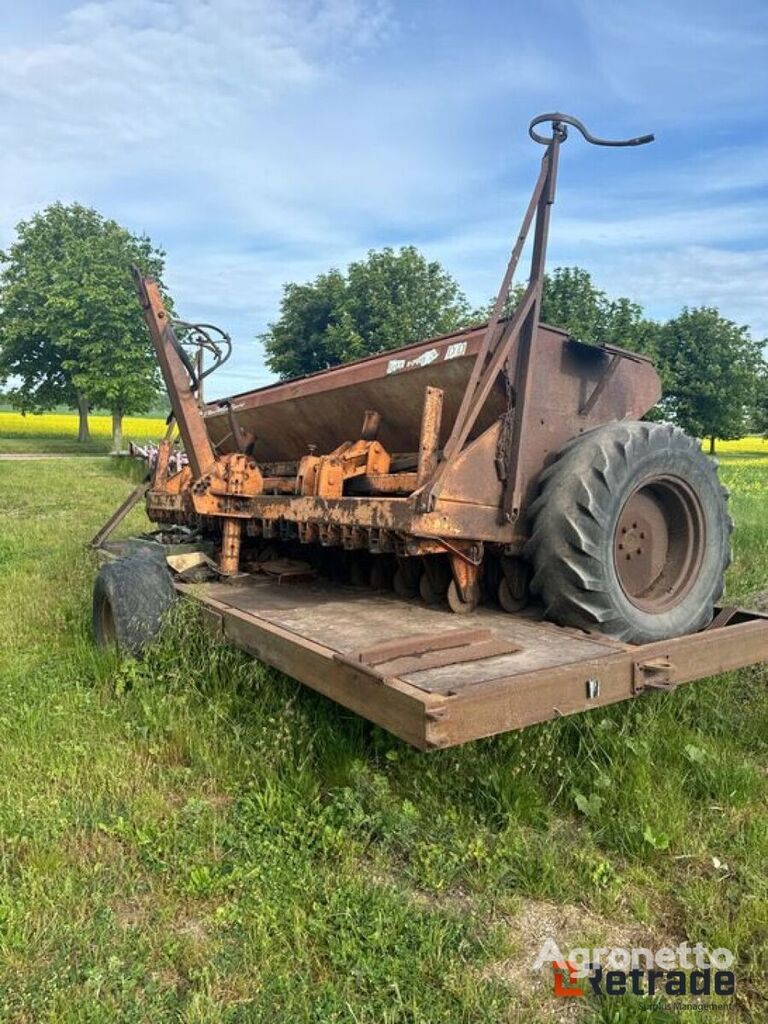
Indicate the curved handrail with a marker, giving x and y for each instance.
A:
(560, 131)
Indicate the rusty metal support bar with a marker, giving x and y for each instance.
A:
(523, 372)
(430, 491)
(429, 435)
(723, 617)
(119, 514)
(496, 344)
(160, 474)
(383, 483)
(229, 562)
(176, 375)
(472, 400)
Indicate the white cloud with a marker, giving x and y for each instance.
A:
(262, 141)
(734, 282)
(681, 59)
(122, 74)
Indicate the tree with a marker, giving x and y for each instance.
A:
(712, 369)
(388, 299)
(571, 301)
(71, 329)
(760, 414)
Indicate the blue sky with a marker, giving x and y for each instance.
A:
(262, 142)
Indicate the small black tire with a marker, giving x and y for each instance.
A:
(630, 534)
(130, 597)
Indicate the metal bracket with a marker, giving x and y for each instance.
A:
(654, 674)
(722, 618)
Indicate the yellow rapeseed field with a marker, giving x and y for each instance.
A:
(745, 445)
(64, 424)
(137, 428)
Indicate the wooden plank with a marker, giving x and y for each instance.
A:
(419, 643)
(472, 652)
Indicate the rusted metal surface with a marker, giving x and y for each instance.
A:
(429, 434)
(602, 383)
(160, 472)
(659, 543)
(496, 341)
(327, 408)
(524, 378)
(433, 448)
(723, 617)
(177, 379)
(656, 673)
(229, 561)
(384, 483)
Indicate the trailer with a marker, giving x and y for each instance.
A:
(462, 536)
(436, 681)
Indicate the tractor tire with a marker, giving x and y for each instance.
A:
(630, 534)
(130, 597)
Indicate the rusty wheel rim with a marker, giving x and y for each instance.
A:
(659, 543)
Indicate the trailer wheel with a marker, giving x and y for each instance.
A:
(457, 604)
(130, 597)
(510, 600)
(512, 589)
(630, 533)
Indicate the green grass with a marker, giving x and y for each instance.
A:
(196, 838)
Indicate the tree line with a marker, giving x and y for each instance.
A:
(72, 333)
(714, 373)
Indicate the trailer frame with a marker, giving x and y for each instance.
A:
(426, 677)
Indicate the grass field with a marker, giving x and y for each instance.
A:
(196, 838)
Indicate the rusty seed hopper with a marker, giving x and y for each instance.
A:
(504, 463)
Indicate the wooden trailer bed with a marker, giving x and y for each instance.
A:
(436, 679)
